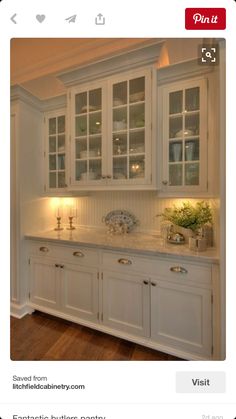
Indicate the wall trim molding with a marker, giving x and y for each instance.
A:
(20, 310)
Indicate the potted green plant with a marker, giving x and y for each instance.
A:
(188, 219)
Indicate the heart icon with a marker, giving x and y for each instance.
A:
(40, 18)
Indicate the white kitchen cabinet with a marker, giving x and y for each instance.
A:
(58, 284)
(181, 317)
(79, 291)
(111, 137)
(126, 303)
(188, 134)
(55, 154)
(185, 136)
(44, 283)
(158, 302)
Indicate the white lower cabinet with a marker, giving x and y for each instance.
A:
(44, 283)
(149, 300)
(181, 317)
(126, 303)
(79, 291)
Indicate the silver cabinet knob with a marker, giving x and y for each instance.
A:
(78, 254)
(178, 270)
(165, 182)
(125, 261)
(44, 249)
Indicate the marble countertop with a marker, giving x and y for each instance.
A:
(145, 244)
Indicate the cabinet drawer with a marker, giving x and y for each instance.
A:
(75, 254)
(170, 269)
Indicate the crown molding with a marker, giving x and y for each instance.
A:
(113, 64)
(18, 93)
(179, 71)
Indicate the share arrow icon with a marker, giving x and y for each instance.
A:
(71, 19)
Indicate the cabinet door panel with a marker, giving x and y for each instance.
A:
(79, 296)
(185, 136)
(55, 146)
(126, 303)
(44, 283)
(181, 317)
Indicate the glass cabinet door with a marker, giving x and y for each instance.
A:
(184, 128)
(88, 135)
(56, 137)
(128, 129)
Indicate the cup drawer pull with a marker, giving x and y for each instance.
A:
(125, 261)
(178, 270)
(78, 254)
(44, 249)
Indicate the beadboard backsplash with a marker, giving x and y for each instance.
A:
(145, 205)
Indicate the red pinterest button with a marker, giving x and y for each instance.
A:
(205, 18)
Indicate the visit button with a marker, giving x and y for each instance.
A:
(200, 382)
(205, 18)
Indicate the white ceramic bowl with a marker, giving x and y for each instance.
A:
(119, 125)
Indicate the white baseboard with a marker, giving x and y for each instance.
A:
(18, 311)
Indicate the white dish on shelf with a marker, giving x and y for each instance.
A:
(117, 102)
(84, 154)
(119, 125)
(186, 132)
(137, 97)
(89, 108)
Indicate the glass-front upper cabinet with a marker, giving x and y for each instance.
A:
(87, 135)
(185, 136)
(111, 131)
(128, 129)
(55, 154)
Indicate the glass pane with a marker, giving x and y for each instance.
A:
(136, 167)
(192, 173)
(52, 180)
(175, 174)
(120, 167)
(120, 94)
(52, 145)
(175, 151)
(81, 103)
(80, 126)
(95, 100)
(95, 123)
(137, 116)
(120, 119)
(176, 127)
(52, 162)
(61, 124)
(61, 180)
(61, 162)
(61, 142)
(81, 149)
(137, 142)
(192, 150)
(95, 146)
(191, 125)
(95, 169)
(176, 102)
(52, 126)
(119, 144)
(81, 170)
(137, 90)
(192, 99)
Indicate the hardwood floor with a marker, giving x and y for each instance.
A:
(43, 337)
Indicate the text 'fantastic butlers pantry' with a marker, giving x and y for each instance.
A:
(118, 130)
